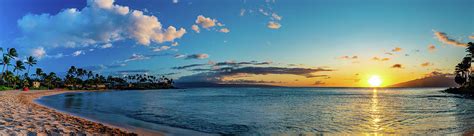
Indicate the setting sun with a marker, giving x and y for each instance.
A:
(375, 81)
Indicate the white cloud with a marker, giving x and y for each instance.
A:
(175, 1)
(77, 53)
(242, 12)
(205, 22)
(59, 55)
(145, 29)
(135, 57)
(38, 52)
(263, 12)
(179, 56)
(276, 17)
(273, 25)
(175, 44)
(162, 48)
(100, 22)
(107, 4)
(108, 45)
(195, 28)
(224, 30)
(471, 37)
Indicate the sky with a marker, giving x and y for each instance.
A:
(276, 42)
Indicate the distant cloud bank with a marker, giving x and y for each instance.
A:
(218, 75)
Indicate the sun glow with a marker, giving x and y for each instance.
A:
(375, 81)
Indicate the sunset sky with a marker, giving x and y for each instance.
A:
(278, 42)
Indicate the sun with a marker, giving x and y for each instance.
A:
(375, 81)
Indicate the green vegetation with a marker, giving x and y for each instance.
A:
(76, 78)
(463, 74)
(3, 88)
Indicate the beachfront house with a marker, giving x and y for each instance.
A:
(36, 84)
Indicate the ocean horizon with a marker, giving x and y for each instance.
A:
(274, 110)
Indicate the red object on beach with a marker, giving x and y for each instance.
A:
(26, 89)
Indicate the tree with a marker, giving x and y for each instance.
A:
(9, 77)
(459, 78)
(81, 72)
(470, 49)
(72, 71)
(463, 69)
(70, 77)
(39, 73)
(5, 63)
(25, 83)
(19, 66)
(11, 53)
(50, 80)
(89, 75)
(30, 61)
(70, 80)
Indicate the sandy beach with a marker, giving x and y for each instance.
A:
(19, 115)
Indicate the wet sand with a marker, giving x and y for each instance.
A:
(20, 115)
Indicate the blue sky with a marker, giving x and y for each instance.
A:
(313, 33)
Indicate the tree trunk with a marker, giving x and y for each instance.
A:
(28, 72)
(3, 71)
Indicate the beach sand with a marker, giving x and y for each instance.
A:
(20, 115)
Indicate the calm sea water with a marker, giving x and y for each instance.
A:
(249, 111)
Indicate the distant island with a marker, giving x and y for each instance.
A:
(76, 78)
(463, 74)
(434, 79)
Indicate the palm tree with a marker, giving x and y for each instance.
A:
(57, 81)
(80, 74)
(25, 83)
(5, 63)
(459, 72)
(9, 77)
(12, 53)
(89, 75)
(70, 80)
(19, 66)
(470, 48)
(72, 71)
(15, 80)
(38, 73)
(50, 80)
(30, 61)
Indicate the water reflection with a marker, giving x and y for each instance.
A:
(73, 100)
(374, 112)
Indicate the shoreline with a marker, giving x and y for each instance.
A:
(138, 131)
(21, 115)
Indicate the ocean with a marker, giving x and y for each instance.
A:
(275, 110)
